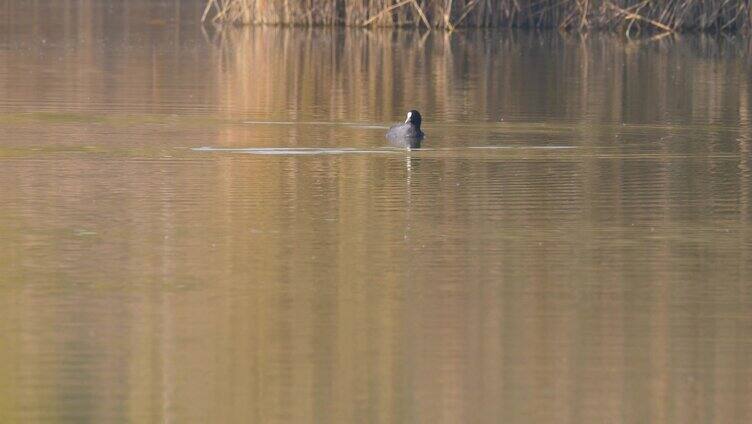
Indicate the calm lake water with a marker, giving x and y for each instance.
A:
(207, 227)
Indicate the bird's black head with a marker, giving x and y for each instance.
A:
(414, 118)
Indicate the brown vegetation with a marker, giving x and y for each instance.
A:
(626, 15)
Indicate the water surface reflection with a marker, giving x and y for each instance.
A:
(494, 276)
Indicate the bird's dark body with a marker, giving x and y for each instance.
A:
(407, 135)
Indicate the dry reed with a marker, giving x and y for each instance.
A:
(627, 15)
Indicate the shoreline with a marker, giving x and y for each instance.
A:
(628, 16)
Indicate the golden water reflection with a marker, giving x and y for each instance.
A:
(143, 281)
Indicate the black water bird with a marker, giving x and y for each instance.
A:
(407, 135)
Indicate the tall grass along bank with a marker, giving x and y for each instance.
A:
(627, 15)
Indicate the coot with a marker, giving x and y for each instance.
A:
(408, 134)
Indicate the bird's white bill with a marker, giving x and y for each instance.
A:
(409, 114)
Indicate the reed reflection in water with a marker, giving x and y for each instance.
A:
(144, 281)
